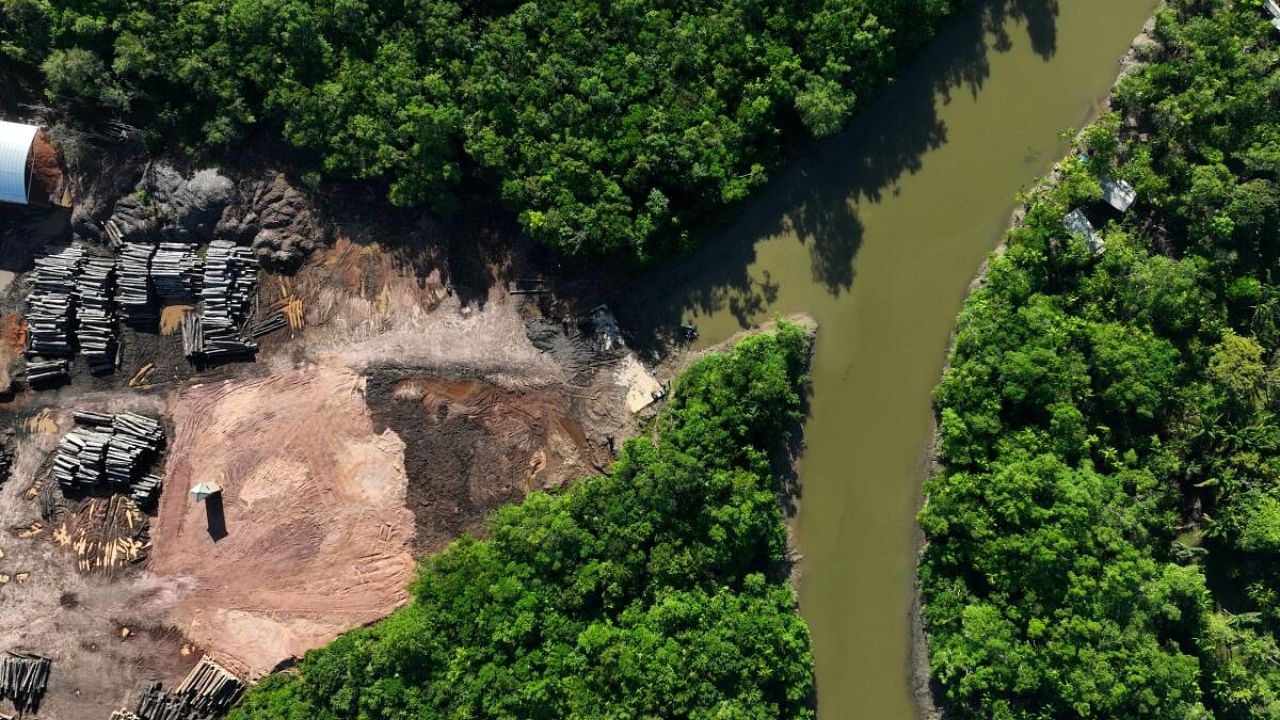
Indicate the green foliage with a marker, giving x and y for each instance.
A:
(612, 127)
(652, 592)
(1104, 540)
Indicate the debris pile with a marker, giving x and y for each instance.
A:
(133, 293)
(208, 691)
(23, 678)
(96, 321)
(103, 533)
(107, 449)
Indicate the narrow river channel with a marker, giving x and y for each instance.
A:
(877, 234)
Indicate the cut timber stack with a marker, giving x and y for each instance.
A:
(124, 715)
(133, 288)
(230, 279)
(51, 312)
(207, 692)
(47, 372)
(6, 454)
(23, 679)
(175, 272)
(113, 450)
(96, 320)
(210, 688)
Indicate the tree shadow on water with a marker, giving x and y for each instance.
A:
(814, 199)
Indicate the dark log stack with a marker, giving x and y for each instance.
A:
(51, 305)
(23, 679)
(6, 454)
(43, 373)
(207, 692)
(228, 288)
(111, 450)
(133, 289)
(175, 272)
(95, 316)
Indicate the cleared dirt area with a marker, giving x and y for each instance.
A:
(107, 633)
(312, 537)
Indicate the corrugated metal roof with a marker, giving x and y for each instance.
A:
(15, 148)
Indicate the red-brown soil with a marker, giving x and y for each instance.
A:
(317, 537)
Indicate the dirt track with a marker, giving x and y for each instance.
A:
(317, 537)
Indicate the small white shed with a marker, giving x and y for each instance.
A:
(16, 161)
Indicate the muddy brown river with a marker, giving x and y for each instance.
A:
(877, 234)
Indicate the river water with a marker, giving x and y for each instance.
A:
(877, 234)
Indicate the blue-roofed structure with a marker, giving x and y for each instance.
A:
(16, 162)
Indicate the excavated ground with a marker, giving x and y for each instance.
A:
(472, 445)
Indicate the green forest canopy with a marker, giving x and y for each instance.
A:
(657, 591)
(1104, 541)
(606, 126)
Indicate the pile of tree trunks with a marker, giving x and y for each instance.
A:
(44, 373)
(207, 692)
(124, 715)
(51, 309)
(23, 678)
(175, 272)
(110, 450)
(229, 283)
(133, 287)
(145, 491)
(95, 316)
(6, 454)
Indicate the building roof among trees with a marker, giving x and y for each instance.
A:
(15, 161)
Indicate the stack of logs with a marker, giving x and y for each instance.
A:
(96, 321)
(207, 692)
(23, 679)
(6, 454)
(133, 290)
(112, 450)
(50, 314)
(228, 288)
(175, 272)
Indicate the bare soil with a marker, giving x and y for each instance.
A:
(106, 633)
(311, 536)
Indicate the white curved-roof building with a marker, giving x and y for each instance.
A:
(15, 161)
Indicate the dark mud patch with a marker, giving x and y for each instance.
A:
(472, 445)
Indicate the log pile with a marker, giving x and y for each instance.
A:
(23, 678)
(6, 454)
(124, 715)
(207, 692)
(228, 288)
(175, 272)
(43, 373)
(95, 317)
(133, 289)
(112, 450)
(51, 304)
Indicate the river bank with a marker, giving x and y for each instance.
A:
(926, 690)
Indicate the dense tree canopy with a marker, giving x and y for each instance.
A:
(1104, 540)
(653, 592)
(608, 127)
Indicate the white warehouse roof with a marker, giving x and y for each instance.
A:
(15, 153)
